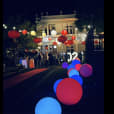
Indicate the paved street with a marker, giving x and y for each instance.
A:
(22, 97)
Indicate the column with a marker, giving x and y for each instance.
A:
(47, 30)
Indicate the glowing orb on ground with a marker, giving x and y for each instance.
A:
(65, 65)
(73, 72)
(56, 84)
(74, 62)
(78, 78)
(78, 66)
(78, 59)
(69, 91)
(86, 70)
(70, 66)
(48, 105)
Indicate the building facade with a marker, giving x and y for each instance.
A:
(57, 23)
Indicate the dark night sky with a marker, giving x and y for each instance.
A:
(29, 8)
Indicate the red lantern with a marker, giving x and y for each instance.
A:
(24, 32)
(54, 43)
(37, 40)
(62, 39)
(83, 43)
(64, 32)
(73, 37)
(13, 34)
(50, 39)
(68, 42)
(96, 42)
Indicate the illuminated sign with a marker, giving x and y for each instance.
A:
(73, 56)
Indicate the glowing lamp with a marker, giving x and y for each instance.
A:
(43, 34)
(86, 70)
(37, 40)
(49, 38)
(33, 33)
(24, 32)
(13, 34)
(69, 91)
(64, 32)
(74, 62)
(70, 66)
(78, 66)
(78, 79)
(62, 39)
(48, 105)
(54, 43)
(53, 33)
(65, 65)
(56, 84)
(73, 72)
(73, 37)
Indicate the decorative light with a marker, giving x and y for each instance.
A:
(55, 46)
(48, 105)
(86, 70)
(65, 65)
(73, 37)
(89, 26)
(83, 36)
(37, 40)
(73, 72)
(54, 43)
(69, 91)
(13, 34)
(14, 28)
(43, 34)
(64, 32)
(33, 33)
(24, 32)
(56, 84)
(62, 39)
(53, 33)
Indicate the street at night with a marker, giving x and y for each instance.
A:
(22, 97)
(53, 57)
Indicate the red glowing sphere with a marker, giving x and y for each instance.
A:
(49, 38)
(69, 91)
(73, 37)
(24, 32)
(54, 43)
(86, 70)
(69, 71)
(64, 32)
(78, 66)
(83, 43)
(13, 34)
(37, 40)
(62, 39)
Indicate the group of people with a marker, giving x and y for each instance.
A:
(40, 60)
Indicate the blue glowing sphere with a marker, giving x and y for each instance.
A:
(70, 66)
(73, 72)
(78, 79)
(74, 62)
(48, 105)
(20, 61)
(65, 65)
(56, 84)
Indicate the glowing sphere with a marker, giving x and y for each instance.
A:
(69, 91)
(24, 32)
(77, 59)
(73, 72)
(33, 33)
(48, 105)
(86, 70)
(70, 66)
(53, 33)
(65, 65)
(56, 84)
(43, 34)
(74, 62)
(78, 66)
(64, 32)
(78, 78)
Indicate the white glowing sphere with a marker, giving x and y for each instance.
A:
(53, 33)
(55, 46)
